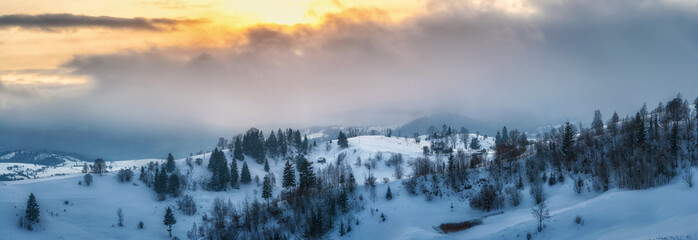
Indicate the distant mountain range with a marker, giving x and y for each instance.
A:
(453, 120)
(42, 157)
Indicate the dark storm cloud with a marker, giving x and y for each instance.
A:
(357, 68)
(52, 22)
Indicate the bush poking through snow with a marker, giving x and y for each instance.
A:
(688, 177)
(513, 195)
(88, 179)
(455, 227)
(187, 205)
(578, 220)
(537, 191)
(487, 199)
(410, 186)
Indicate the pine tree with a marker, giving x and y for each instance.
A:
(475, 143)
(289, 178)
(160, 185)
(234, 176)
(342, 140)
(307, 176)
(173, 185)
(281, 141)
(266, 188)
(212, 159)
(237, 152)
(388, 194)
(170, 166)
(613, 124)
(32, 212)
(266, 165)
(505, 135)
(568, 141)
(351, 183)
(343, 201)
(640, 135)
(674, 138)
(341, 229)
(245, 176)
(272, 145)
(597, 123)
(169, 220)
(305, 144)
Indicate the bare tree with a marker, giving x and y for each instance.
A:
(540, 212)
(688, 177)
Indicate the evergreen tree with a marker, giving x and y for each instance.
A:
(307, 176)
(32, 212)
(272, 145)
(343, 201)
(170, 166)
(173, 187)
(305, 145)
(289, 178)
(342, 140)
(281, 140)
(237, 152)
(613, 124)
(351, 182)
(388, 194)
(297, 141)
(505, 135)
(212, 160)
(674, 139)
(221, 173)
(245, 176)
(169, 220)
(640, 135)
(266, 188)
(160, 185)
(597, 123)
(475, 143)
(99, 166)
(234, 176)
(567, 141)
(253, 144)
(266, 165)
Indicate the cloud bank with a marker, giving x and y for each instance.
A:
(358, 67)
(52, 22)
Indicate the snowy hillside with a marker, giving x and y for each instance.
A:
(73, 211)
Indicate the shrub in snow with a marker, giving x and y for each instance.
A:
(513, 195)
(410, 186)
(528, 236)
(187, 205)
(140, 225)
(120, 215)
(124, 175)
(578, 220)
(578, 185)
(688, 177)
(88, 179)
(487, 199)
(537, 191)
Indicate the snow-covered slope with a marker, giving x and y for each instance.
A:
(90, 213)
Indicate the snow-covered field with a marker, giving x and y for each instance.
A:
(667, 212)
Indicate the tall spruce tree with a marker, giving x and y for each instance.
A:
(289, 178)
(32, 212)
(498, 139)
(597, 123)
(307, 176)
(613, 124)
(505, 135)
(245, 176)
(169, 220)
(342, 140)
(640, 134)
(234, 176)
(475, 143)
(173, 187)
(170, 166)
(266, 188)
(568, 141)
(674, 139)
(272, 145)
(237, 152)
(266, 165)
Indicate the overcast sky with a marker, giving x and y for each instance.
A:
(180, 69)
